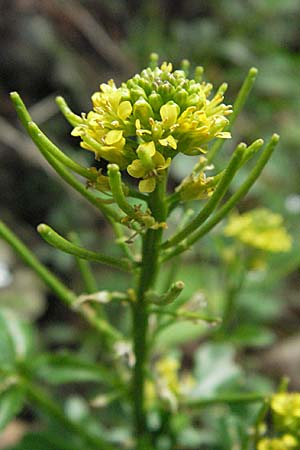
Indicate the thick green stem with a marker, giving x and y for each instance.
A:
(147, 277)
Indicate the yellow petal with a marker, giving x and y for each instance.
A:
(147, 185)
(124, 110)
(148, 148)
(114, 99)
(166, 67)
(169, 113)
(168, 141)
(136, 169)
(158, 159)
(78, 131)
(113, 136)
(224, 135)
(108, 87)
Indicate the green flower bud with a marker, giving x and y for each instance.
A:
(142, 110)
(185, 65)
(137, 92)
(155, 101)
(146, 85)
(198, 74)
(181, 97)
(166, 90)
(193, 100)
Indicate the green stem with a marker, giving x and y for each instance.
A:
(53, 150)
(237, 107)
(59, 168)
(235, 280)
(85, 270)
(227, 399)
(59, 242)
(121, 241)
(168, 297)
(185, 315)
(147, 277)
(234, 199)
(214, 200)
(41, 398)
(115, 182)
(67, 296)
(63, 293)
(71, 117)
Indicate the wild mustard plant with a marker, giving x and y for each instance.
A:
(138, 129)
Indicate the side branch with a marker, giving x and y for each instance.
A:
(234, 199)
(220, 191)
(237, 107)
(67, 296)
(57, 241)
(52, 159)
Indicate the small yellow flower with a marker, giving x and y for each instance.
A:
(197, 185)
(167, 370)
(148, 167)
(260, 228)
(286, 442)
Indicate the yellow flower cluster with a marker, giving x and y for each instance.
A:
(286, 442)
(145, 122)
(286, 408)
(260, 228)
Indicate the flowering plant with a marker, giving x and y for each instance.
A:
(136, 130)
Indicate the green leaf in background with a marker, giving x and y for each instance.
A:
(44, 441)
(69, 368)
(252, 335)
(11, 403)
(179, 333)
(215, 369)
(16, 339)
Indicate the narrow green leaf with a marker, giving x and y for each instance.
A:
(66, 368)
(16, 339)
(11, 403)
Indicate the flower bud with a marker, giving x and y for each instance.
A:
(142, 110)
(155, 101)
(166, 90)
(181, 97)
(137, 92)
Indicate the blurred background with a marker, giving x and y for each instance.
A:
(51, 47)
